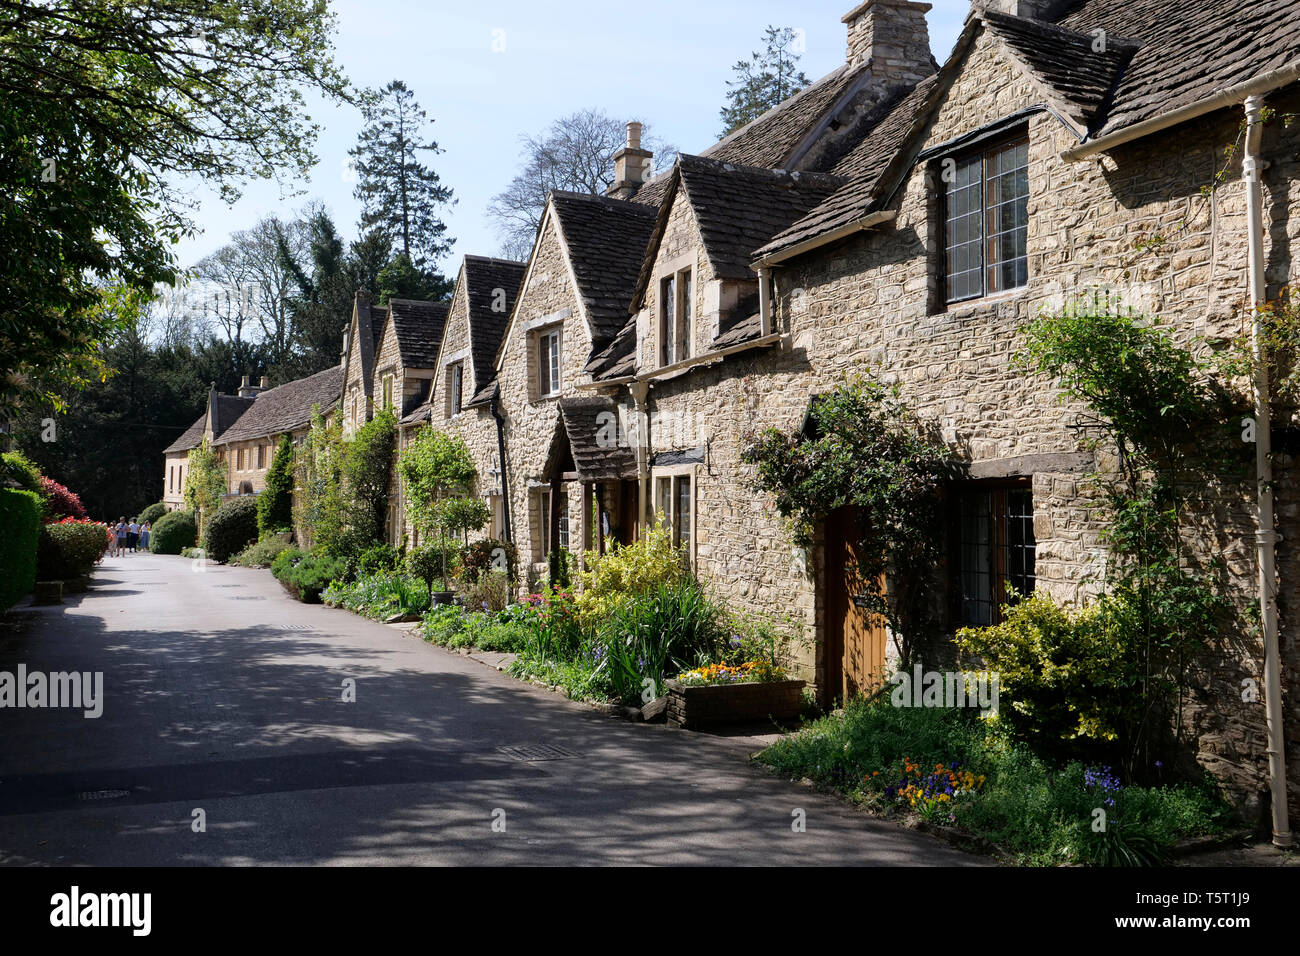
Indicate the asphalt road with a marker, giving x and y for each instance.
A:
(223, 695)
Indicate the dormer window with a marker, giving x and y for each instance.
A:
(986, 220)
(675, 307)
(388, 391)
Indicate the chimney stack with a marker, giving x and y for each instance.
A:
(892, 35)
(1029, 9)
(632, 165)
(250, 391)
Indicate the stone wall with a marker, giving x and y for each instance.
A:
(532, 421)
(871, 304)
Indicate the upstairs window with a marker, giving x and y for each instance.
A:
(995, 550)
(675, 307)
(548, 363)
(986, 221)
(388, 391)
(455, 388)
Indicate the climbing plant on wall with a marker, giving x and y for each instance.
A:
(863, 448)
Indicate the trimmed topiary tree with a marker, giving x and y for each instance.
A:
(275, 503)
(230, 529)
(151, 514)
(172, 532)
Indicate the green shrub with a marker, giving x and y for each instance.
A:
(638, 568)
(230, 529)
(69, 549)
(379, 595)
(20, 529)
(306, 575)
(275, 503)
(260, 554)
(381, 559)
(434, 561)
(1065, 675)
(172, 532)
(18, 468)
(152, 513)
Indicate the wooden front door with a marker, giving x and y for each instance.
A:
(854, 654)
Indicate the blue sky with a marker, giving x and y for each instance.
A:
(665, 64)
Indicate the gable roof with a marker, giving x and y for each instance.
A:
(192, 437)
(287, 407)
(1188, 51)
(368, 325)
(737, 209)
(865, 170)
(418, 326)
(1134, 80)
(483, 276)
(773, 138)
(590, 423)
(606, 240)
(1076, 75)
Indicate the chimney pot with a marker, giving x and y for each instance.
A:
(243, 382)
(262, 384)
(632, 165)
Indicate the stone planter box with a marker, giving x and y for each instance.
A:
(695, 707)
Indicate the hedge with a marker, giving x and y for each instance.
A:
(230, 529)
(151, 514)
(69, 549)
(306, 575)
(173, 531)
(20, 528)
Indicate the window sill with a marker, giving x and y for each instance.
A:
(982, 303)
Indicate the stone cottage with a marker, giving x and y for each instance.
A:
(463, 395)
(244, 430)
(1017, 176)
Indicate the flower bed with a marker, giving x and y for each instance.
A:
(699, 705)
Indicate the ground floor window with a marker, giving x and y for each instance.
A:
(674, 499)
(995, 549)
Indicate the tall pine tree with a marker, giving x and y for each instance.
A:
(399, 195)
(766, 79)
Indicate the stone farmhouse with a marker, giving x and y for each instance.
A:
(903, 219)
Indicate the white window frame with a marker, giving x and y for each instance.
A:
(550, 374)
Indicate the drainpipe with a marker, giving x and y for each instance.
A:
(1265, 538)
(640, 391)
(501, 464)
(764, 300)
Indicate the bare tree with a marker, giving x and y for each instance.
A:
(247, 286)
(575, 153)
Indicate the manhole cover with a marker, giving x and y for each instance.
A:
(294, 627)
(536, 752)
(102, 794)
(225, 585)
(248, 598)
